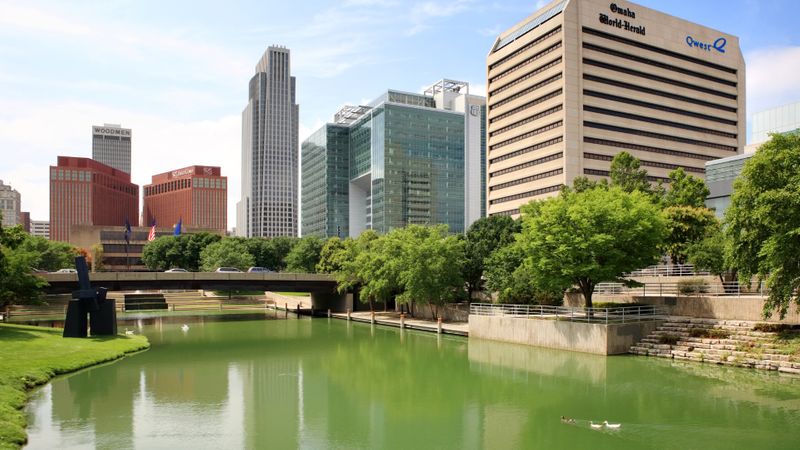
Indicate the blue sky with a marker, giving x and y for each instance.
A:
(177, 72)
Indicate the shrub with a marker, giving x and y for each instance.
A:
(670, 339)
(773, 327)
(693, 286)
(711, 333)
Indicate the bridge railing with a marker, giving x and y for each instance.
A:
(627, 314)
(689, 287)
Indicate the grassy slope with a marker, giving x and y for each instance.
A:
(31, 356)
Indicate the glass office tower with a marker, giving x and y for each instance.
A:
(405, 164)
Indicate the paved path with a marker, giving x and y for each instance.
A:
(392, 319)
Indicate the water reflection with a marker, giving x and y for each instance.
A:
(328, 384)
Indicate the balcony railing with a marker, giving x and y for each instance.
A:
(627, 314)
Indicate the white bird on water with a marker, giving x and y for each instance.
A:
(596, 426)
(128, 332)
(185, 328)
(611, 425)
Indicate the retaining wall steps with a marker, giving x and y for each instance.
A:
(743, 347)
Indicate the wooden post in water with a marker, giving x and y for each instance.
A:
(285, 310)
(439, 325)
(348, 314)
(372, 318)
(329, 313)
(402, 320)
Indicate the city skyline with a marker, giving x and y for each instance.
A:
(182, 89)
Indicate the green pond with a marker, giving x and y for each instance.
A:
(253, 382)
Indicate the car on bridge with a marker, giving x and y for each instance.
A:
(258, 270)
(68, 270)
(227, 269)
(176, 270)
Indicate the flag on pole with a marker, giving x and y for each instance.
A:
(127, 231)
(152, 235)
(178, 227)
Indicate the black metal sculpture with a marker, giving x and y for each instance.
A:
(102, 312)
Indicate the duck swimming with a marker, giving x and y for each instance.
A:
(595, 426)
(611, 425)
(185, 328)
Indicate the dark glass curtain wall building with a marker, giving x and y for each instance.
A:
(403, 159)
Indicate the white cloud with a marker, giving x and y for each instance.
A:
(772, 77)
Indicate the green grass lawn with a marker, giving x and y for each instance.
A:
(30, 356)
(294, 294)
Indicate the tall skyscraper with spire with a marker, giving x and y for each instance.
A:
(269, 203)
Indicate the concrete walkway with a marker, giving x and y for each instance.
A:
(392, 319)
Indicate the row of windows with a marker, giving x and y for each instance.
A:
(526, 91)
(665, 137)
(526, 164)
(528, 149)
(527, 46)
(658, 107)
(509, 212)
(605, 173)
(532, 193)
(538, 176)
(660, 93)
(533, 102)
(658, 64)
(655, 49)
(527, 120)
(669, 123)
(530, 60)
(650, 76)
(527, 135)
(648, 163)
(527, 76)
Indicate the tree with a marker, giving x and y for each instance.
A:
(332, 257)
(627, 174)
(229, 252)
(430, 261)
(686, 190)
(377, 267)
(762, 221)
(304, 256)
(17, 284)
(509, 276)
(271, 253)
(47, 255)
(584, 238)
(163, 253)
(191, 246)
(686, 225)
(97, 256)
(483, 237)
(713, 255)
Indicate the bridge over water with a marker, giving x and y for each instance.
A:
(322, 287)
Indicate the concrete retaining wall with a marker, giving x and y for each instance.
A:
(725, 308)
(594, 338)
(458, 312)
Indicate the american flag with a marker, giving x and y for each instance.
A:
(152, 235)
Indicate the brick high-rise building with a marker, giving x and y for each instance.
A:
(197, 195)
(86, 192)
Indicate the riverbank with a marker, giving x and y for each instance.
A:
(392, 319)
(31, 356)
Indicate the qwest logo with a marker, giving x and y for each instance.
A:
(718, 45)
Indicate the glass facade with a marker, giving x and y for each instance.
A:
(720, 174)
(782, 119)
(401, 163)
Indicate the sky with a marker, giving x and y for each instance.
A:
(177, 72)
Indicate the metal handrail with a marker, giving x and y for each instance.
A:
(623, 314)
(703, 287)
(668, 270)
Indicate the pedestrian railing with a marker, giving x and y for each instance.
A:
(623, 314)
(699, 287)
(667, 270)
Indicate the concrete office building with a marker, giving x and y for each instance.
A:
(111, 145)
(40, 228)
(86, 192)
(269, 202)
(581, 80)
(10, 201)
(195, 195)
(403, 159)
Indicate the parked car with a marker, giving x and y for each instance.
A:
(227, 269)
(67, 270)
(176, 270)
(258, 270)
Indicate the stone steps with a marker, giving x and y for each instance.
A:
(742, 347)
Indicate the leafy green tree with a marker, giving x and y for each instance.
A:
(430, 261)
(48, 255)
(509, 276)
(191, 246)
(686, 190)
(484, 236)
(332, 257)
(271, 252)
(163, 253)
(712, 254)
(627, 174)
(17, 284)
(762, 221)
(378, 267)
(97, 257)
(584, 238)
(686, 225)
(305, 255)
(229, 252)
